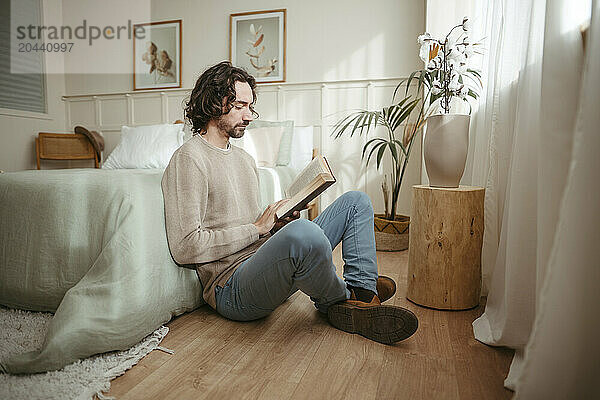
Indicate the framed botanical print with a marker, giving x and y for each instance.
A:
(157, 55)
(257, 44)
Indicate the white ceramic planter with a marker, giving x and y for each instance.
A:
(445, 148)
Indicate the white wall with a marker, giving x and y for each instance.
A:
(19, 129)
(326, 40)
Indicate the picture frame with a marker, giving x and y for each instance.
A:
(257, 43)
(157, 55)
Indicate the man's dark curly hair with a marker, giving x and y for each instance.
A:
(214, 85)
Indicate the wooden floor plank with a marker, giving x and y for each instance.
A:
(295, 354)
(211, 355)
(187, 327)
(478, 367)
(274, 366)
(416, 376)
(345, 367)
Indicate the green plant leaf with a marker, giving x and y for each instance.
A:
(368, 144)
(421, 78)
(435, 97)
(375, 148)
(403, 101)
(398, 87)
(404, 114)
(340, 127)
(380, 155)
(366, 122)
(351, 119)
(408, 81)
(477, 81)
(394, 152)
(358, 124)
(428, 78)
(370, 121)
(399, 143)
(393, 114)
(474, 72)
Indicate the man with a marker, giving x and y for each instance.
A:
(249, 262)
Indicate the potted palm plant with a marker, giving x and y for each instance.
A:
(391, 229)
(445, 76)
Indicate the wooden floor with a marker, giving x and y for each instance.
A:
(296, 354)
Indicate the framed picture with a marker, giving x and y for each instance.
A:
(157, 55)
(257, 44)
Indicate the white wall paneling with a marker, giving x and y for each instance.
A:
(113, 111)
(319, 104)
(175, 105)
(148, 109)
(82, 112)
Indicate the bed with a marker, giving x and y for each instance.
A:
(90, 245)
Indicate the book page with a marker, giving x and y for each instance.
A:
(314, 168)
(298, 197)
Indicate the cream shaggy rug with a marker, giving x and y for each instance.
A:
(22, 331)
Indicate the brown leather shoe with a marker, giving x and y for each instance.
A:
(386, 288)
(383, 324)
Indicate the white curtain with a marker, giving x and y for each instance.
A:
(534, 147)
(562, 357)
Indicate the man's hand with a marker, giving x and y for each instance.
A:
(281, 222)
(266, 221)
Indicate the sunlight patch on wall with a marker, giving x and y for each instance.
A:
(365, 61)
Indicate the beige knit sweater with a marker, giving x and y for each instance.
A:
(211, 201)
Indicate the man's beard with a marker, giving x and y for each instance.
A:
(233, 131)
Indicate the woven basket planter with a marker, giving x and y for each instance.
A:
(391, 235)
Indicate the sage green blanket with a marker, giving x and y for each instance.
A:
(89, 245)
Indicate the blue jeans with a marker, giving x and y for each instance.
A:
(298, 257)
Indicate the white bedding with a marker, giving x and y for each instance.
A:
(89, 244)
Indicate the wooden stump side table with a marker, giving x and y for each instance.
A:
(444, 253)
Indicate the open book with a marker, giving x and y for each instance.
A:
(311, 182)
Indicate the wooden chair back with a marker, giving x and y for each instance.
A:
(64, 146)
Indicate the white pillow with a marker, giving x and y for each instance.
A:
(262, 144)
(148, 146)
